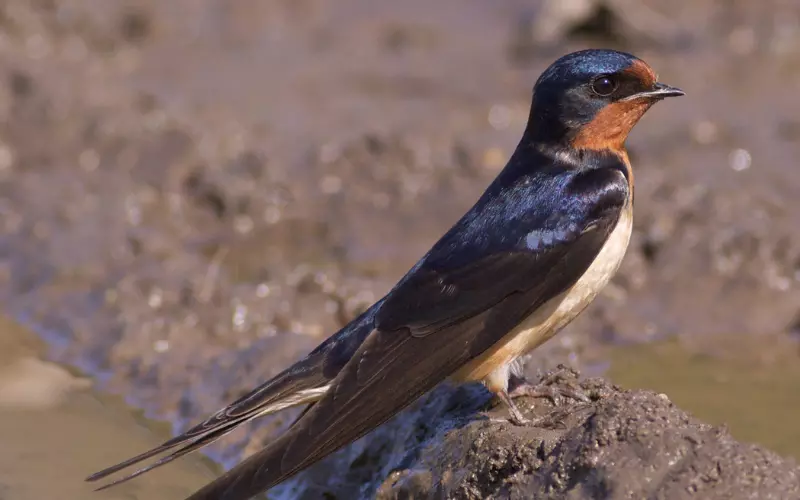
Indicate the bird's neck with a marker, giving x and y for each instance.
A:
(537, 156)
(564, 153)
(547, 127)
(536, 160)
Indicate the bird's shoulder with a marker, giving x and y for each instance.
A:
(533, 219)
(539, 200)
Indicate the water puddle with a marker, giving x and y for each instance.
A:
(751, 386)
(54, 431)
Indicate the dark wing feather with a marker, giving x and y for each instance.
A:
(420, 339)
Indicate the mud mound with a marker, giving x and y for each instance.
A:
(624, 444)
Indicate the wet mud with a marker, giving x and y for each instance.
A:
(193, 194)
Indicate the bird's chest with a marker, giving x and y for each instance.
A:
(558, 312)
(547, 320)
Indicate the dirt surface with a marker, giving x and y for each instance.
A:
(624, 444)
(193, 193)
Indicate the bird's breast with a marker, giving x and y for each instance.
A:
(547, 320)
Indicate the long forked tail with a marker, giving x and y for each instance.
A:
(265, 400)
(183, 450)
(305, 382)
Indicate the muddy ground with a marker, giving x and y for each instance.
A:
(194, 193)
(623, 444)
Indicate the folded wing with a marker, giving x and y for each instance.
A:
(434, 322)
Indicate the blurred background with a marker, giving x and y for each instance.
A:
(194, 193)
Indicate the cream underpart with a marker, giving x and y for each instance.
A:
(493, 366)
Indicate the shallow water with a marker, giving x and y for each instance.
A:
(756, 396)
(55, 431)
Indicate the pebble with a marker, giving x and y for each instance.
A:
(494, 158)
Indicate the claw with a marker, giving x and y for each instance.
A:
(515, 416)
(544, 389)
(549, 392)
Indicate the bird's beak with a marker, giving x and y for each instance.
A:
(659, 91)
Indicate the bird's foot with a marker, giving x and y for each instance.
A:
(517, 418)
(515, 415)
(544, 389)
(555, 386)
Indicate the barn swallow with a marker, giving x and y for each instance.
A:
(535, 249)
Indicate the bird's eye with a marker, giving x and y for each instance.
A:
(604, 86)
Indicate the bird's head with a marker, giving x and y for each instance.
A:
(592, 99)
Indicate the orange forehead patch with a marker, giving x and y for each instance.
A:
(642, 72)
(611, 125)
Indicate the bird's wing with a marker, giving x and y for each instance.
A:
(434, 322)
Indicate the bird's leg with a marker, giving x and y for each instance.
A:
(504, 376)
(497, 383)
(545, 389)
(515, 415)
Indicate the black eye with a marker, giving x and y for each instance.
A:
(604, 86)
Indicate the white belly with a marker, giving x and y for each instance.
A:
(555, 314)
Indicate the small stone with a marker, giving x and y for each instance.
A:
(705, 132)
(330, 184)
(262, 290)
(89, 160)
(740, 160)
(499, 117)
(243, 224)
(6, 158)
(161, 346)
(155, 299)
(494, 158)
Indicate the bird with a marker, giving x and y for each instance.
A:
(534, 250)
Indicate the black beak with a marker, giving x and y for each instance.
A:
(659, 91)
